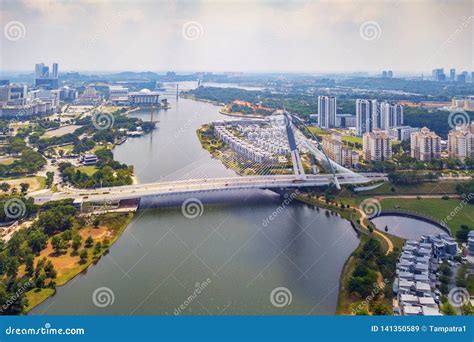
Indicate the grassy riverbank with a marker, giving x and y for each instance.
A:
(68, 265)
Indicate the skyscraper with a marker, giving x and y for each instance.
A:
(327, 111)
(452, 75)
(391, 115)
(45, 79)
(367, 116)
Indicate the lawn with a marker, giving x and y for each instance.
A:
(437, 208)
(426, 188)
(35, 182)
(352, 139)
(88, 170)
(37, 297)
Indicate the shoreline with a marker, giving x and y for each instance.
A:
(50, 292)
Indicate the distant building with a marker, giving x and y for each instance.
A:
(466, 103)
(391, 115)
(425, 145)
(438, 75)
(118, 95)
(367, 114)
(44, 78)
(143, 97)
(335, 149)
(402, 133)
(377, 146)
(67, 94)
(90, 96)
(327, 111)
(390, 74)
(452, 75)
(461, 142)
(387, 74)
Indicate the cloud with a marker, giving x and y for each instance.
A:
(238, 35)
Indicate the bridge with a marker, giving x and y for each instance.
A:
(296, 134)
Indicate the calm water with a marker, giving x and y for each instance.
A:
(228, 252)
(406, 227)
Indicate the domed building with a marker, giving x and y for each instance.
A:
(144, 97)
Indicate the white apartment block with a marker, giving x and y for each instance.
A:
(377, 146)
(367, 116)
(391, 115)
(425, 145)
(327, 109)
(461, 142)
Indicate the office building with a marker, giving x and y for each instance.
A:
(367, 116)
(461, 142)
(44, 78)
(452, 75)
(345, 120)
(377, 146)
(438, 75)
(425, 145)
(327, 111)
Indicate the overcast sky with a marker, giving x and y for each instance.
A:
(259, 36)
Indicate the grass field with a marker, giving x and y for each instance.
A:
(37, 297)
(88, 170)
(434, 188)
(437, 208)
(35, 182)
(352, 139)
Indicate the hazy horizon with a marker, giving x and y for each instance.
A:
(239, 36)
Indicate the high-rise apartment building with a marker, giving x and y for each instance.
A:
(461, 142)
(377, 146)
(391, 115)
(425, 145)
(367, 116)
(327, 111)
(335, 149)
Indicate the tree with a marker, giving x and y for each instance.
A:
(58, 244)
(29, 264)
(76, 243)
(37, 240)
(24, 187)
(467, 309)
(89, 242)
(380, 309)
(12, 267)
(5, 187)
(98, 248)
(49, 270)
(447, 309)
(83, 256)
(39, 283)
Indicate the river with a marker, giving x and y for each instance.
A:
(226, 261)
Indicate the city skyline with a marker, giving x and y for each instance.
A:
(270, 36)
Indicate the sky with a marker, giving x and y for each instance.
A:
(247, 36)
